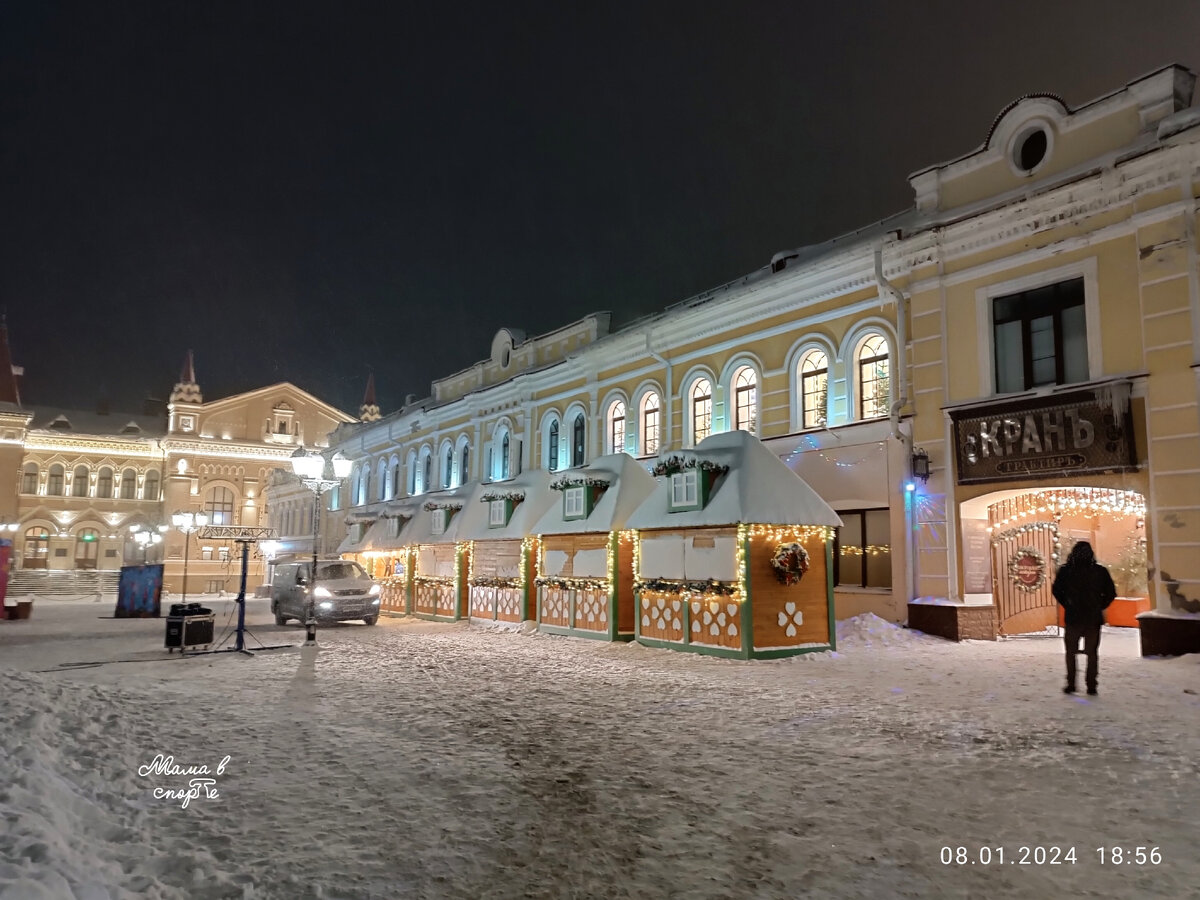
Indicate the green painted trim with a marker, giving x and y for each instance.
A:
(687, 620)
(614, 548)
(637, 613)
(829, 590)
(723, 652)
(786, 651)
(434, 617)
(747, 602)
(575, 632)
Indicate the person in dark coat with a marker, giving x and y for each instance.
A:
(1084, 589)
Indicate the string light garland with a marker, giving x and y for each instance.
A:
(1020, 531)
(496, 581)
(568, 583)
(780, 534)
(1059, 502)
(530, 552)
(868, 550)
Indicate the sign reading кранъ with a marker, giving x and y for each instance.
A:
(1042, 437)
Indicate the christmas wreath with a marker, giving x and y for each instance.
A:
(790, 562)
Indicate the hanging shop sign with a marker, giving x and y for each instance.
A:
(1083, 432)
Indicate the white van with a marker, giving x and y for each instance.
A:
(344, 591)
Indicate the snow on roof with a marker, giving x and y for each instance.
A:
(629, 485)
(758, 488)
(372, 535)
(405, 510)
(534, 488)
(104, 424)
(419, 529)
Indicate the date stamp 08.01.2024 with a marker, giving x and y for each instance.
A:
(1035, 855)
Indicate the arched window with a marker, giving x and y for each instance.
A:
(87, 545)
(701, 396)
(552, 447)
(464, 464)
(150, 489)
(577, 438)
(615, 427)
(874, 377)
(397, 481)
(504, 456)
(37, 548)
(218, 503)
(364, 490)
(128, 484)
(745, 400)
(381, 480)
(54, 484)
(29, 479)
(814, 389)
(651, 427)
(447, 466)
(427, 473)
(79, 482)
(104, 483)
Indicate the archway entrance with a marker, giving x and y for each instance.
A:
(1028, 533)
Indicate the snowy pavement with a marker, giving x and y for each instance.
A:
(421, 760)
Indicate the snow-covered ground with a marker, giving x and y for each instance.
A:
(419, 760)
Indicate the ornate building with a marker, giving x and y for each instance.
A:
(82, 483)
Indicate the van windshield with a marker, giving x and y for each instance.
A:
(339, 570)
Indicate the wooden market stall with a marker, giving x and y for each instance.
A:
(389, 559)
(733, 554)
(438, 560)
(585, 570)
(498, 526)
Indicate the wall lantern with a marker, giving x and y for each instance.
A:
(920, 465)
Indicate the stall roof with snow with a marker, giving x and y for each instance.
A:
(452, 503)
(528, 496)
(753, 486)
(626, 484)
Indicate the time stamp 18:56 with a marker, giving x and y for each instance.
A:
(1048, 856)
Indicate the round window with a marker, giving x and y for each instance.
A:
(1030, 150)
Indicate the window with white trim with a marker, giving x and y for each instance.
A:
(873, 372)
(1040, 337)
(440, 517)
(701, 409)
(615, 430)
(497, 513)
(650, 423)
(745, 400)
(573, 502)
(552, 447)
(685, 488)
(814, 389)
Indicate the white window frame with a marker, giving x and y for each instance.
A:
(439, 519)
(573, 502)
(986, 296)
(497, 513)
(685, 488)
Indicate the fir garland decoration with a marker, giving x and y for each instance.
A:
(567, 583)
(673, 464)
(665, 586)
(566, 481)
(495, 581)
(431, 506)
(514, 496)
(790, 562)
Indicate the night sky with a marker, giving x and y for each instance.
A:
(307, 192)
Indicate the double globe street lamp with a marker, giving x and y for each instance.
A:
(187, 522)
(319, 475)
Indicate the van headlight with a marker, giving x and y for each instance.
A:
(320, 591)
(326, 605)
(375, 602)
(374, 591)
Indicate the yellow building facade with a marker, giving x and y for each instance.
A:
(83, 484)
(1009, 366)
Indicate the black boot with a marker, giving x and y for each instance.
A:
(1070, 689)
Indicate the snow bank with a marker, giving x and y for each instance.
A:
(868, 631)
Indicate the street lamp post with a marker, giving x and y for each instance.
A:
(187, 522)
(313, 470)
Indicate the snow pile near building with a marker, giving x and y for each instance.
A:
(868, 631)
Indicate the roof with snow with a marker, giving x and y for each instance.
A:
(629, 484)
(113, 424)
(759, 488)
(419, 529)
(533, 489)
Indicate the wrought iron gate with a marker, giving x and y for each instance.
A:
(1023, 567)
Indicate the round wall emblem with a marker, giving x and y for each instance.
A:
(1027, 569)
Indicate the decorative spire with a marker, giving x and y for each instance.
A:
(369, 411)
(8, 372)
(187, 390)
